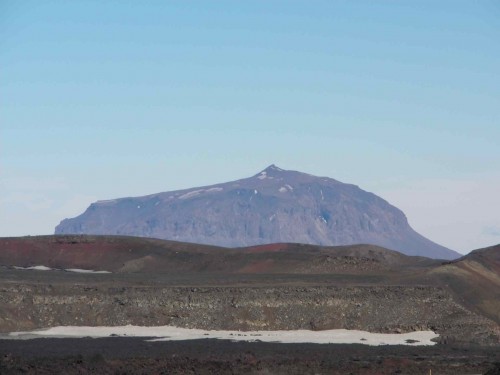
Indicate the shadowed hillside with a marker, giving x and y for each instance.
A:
(475, 279)
(133, 254)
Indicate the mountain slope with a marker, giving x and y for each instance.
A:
(273, 206)
(125, 254)
(475, 278)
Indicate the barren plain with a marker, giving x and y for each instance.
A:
(263, 288)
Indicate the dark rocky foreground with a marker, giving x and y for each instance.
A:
(137, 356)
(279, 286)
(374, 308)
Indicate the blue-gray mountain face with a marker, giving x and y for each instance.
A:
(275, 205)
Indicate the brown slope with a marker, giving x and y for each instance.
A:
(132, 254)
(303, 258)
(111, 253)
(475, 280)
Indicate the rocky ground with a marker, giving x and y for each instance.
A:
(276, 287)
(136, 356)
(373, 308)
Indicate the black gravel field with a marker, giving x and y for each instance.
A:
(118, 355)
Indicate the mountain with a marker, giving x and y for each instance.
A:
(273, 206)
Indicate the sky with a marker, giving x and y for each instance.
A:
(107, 99)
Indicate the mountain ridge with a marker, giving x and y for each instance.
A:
(274, 205)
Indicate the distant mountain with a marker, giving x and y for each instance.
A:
(273, 206)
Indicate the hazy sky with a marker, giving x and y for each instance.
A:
(104, 99)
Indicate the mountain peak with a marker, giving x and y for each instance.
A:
(270, 172)
(275, 205)
(273, 168)
(275, 173)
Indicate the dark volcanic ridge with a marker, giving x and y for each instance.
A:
(124, 254)
(274, 206)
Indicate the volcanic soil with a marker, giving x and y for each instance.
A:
(278, 286)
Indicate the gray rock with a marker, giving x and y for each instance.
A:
(275, 205)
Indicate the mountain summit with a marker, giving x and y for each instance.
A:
(275, 205)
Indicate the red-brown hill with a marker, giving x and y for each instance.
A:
(475, 279)
(133, 254)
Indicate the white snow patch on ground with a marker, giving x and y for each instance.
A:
(169, 333)
(214, 189)
(36, 268)
(79, 270)
(45, 268)
(107, 201)
(285, 188)
(191, 194)
(194, 193)
(262, 176)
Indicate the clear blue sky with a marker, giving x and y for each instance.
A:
(103, 99)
